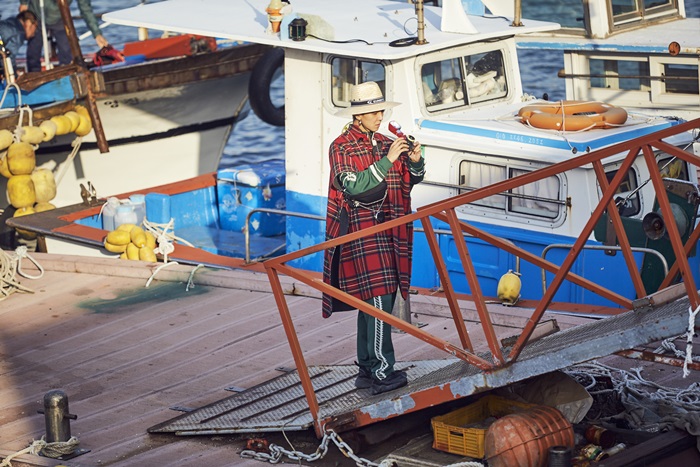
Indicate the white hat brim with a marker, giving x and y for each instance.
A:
(367, 108)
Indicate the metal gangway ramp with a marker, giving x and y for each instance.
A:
(324, 397)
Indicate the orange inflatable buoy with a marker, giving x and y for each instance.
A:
(572, 115)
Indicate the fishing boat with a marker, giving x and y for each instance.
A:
(162, 114)
(459, 83)
(638, 55)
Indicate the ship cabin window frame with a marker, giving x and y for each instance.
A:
(466, 77)
(527, 204)
(348, 71)
(650, 83)
(623, 14)
(670, 167)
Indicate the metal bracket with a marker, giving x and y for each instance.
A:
(89, 194)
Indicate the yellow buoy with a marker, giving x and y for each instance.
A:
(26, 234)
(20, 158)
(63, 124)
(31, 134)
(74, 118)
(509, 286)
(49, 128)
(44, 185)
(4, 169)
(6, 138)
(20, 190)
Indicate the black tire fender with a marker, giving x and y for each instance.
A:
(259, 87)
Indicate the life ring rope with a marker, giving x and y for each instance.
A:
(572, 115)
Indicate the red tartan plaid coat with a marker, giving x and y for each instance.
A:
(375, 265)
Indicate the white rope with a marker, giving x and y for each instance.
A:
(689, 343)
(8, 273)
(41, 447)
(69, 160)
(22, 252)
(16, 88)
(190, 281)
(164, 265)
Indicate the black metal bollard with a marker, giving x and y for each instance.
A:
(56, 416)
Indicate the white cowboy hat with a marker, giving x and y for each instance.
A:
(364, 98)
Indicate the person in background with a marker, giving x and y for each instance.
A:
(371, 178)
(54, 26)
(14, 31)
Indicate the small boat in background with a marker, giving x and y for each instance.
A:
(639, 55)
(164, 118)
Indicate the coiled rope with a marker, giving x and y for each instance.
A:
(10, 266)
(648, 405)
(41, 447)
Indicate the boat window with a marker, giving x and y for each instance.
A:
(348, 72)
(672, 167)
(627, 196)
(620, 74)
(680, 78)
(473, 175)
(540, 199)
(535, 199)
(461, 81)
(637, 10)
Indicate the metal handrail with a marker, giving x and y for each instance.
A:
(281, 212)
(445, 211)
(600, 247)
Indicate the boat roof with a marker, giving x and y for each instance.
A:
(649, 39)
(361, 28)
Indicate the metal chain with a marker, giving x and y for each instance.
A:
(276, 452)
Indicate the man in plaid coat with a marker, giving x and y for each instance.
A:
(371, 178)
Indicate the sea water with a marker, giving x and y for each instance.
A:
(253, 140)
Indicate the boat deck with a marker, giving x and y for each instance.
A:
(126, 355)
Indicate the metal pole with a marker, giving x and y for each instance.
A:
(45, 38)
(79, 61)
(421, 23)
(517, 14)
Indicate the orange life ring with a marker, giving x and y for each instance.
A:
(572, 115)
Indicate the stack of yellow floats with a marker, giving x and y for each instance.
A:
(132, 242)
(30, 189)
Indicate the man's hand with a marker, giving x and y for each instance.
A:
(101, 41)
(23, 8)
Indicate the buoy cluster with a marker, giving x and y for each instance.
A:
(132, 242)
(31, 189)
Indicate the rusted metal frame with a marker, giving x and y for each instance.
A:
(671, 227)
(345, 238)
(692, 240)
(447, 284)
(615, 218)
(695, 235)
(542, 173)
(648, 356)
(78, 60)
(297, 353)
(473, 282)
(571, 257)
(538, 261)
(388, 318)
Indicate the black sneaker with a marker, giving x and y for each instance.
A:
(364, 378)
(395, 380)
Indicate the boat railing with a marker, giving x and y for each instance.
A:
(637, 249)
(445, 211)
(280, 212)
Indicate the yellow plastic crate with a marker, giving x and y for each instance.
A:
(450, 434)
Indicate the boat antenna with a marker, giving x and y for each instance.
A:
(421, 23)
(517, 14)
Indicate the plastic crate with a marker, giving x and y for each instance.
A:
(450, 434)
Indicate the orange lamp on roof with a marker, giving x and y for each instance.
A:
(274, 15)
